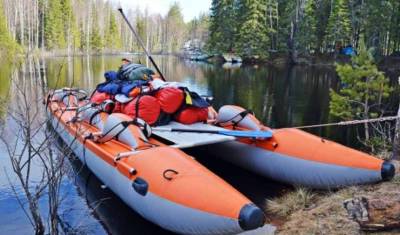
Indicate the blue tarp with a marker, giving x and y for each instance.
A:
(349, 50)
(117, 86)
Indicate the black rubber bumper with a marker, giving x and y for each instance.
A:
(387, 171)
(251, 217)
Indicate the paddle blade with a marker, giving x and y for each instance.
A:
(247, 134)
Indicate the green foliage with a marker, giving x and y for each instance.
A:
(308, 27)
(272, 14)
(287, 11)
(198, 27)
(339, 28)
(222, 26)
(252, 34)
(363, 88)
(70, 29)
(54, 25)
(8, 46)
(176, 26)
(112, 38)
(82, 38)
(140, 29)
(96, 40)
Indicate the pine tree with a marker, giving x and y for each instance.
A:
(82, 38)
(376, 17)
(363, 89)
(175, 27)
(96, 41)
(252, 34)
(272, 22)
(140, 29)
(308, 27)
(8, 46)
(112, 35)
(68, 18)
(54, 25)
(338, 32)
(222, 26)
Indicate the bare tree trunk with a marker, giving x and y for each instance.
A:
(21, 21)
(89, 18)
(291, 44)
(396, 139)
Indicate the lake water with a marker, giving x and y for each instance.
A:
(279, 96)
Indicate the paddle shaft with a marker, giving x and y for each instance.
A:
(141, 43)
(235, 133)
(187, 130)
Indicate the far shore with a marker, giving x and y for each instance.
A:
(275, 59)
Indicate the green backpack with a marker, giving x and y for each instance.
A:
(134, 72)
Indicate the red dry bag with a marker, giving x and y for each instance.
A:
(99, 97)
(170, 99)
(191, 115)
(145, 107)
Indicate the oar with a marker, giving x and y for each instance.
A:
(235, 133)
(141, 43)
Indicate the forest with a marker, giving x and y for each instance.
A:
(79, 26)
(250, 28)
(260, 27)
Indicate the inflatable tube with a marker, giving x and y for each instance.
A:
(299, 158)
(231, 115)
(93, 116)
(161, 183)
(130, 135)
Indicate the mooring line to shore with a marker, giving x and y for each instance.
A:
(352, 122)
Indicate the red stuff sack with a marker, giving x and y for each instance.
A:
(191, 115)
(147, 107)
(118, 107)
(99, 97)
(170, 99)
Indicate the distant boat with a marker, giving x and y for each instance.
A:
(232, 58)
(230, 65)
(200, 57)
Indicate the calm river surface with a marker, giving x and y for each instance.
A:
(279, 96)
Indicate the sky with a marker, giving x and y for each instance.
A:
(190, 8)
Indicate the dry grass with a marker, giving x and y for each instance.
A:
(299, 199)
(384, 155)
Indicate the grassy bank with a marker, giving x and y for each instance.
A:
(311, 212)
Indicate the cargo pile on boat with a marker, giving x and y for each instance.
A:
(139, 93)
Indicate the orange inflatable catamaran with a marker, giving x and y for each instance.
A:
(160, 182)
(146, 167)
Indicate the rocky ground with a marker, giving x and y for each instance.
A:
(308, 212)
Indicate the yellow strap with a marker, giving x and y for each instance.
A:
(188, 98)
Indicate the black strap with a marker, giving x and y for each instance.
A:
(242, 115)
(94, 115)
(137, 104)
(124, 124)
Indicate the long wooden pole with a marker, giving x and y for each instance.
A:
(141, 43)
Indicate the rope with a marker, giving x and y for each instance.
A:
(353, 122)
